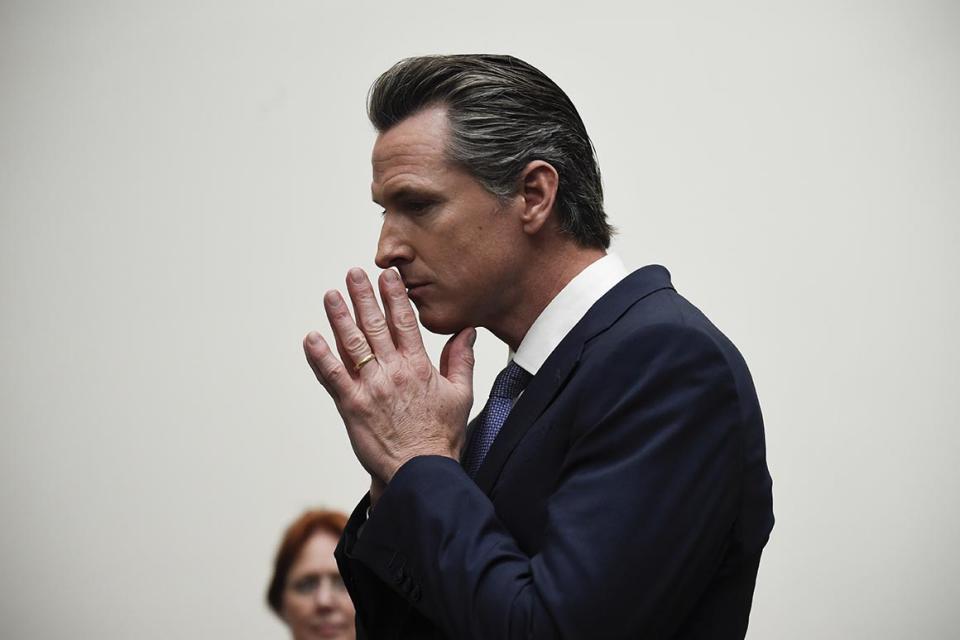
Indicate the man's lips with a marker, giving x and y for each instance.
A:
(415, 290)
(414, 285)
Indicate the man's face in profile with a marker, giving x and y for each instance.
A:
(456, 245)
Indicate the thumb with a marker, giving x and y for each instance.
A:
(456, 360)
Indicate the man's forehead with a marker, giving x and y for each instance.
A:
(411, 152)
(408, 156)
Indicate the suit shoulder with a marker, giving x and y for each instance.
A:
(664, 314)
(663, 322)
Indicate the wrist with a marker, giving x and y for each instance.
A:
(377, 488)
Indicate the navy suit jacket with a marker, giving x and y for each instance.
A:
(626, 496)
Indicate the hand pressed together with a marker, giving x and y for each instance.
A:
(397, 405)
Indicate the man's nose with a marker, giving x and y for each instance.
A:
(393, 248)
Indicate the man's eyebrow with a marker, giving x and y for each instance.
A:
(407, 193)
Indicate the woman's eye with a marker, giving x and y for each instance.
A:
(306, 584)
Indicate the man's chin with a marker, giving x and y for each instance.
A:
(441, 325)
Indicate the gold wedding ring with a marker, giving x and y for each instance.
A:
(364, 360)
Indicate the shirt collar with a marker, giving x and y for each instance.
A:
(566, 309)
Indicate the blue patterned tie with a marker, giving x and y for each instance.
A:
(508, 385)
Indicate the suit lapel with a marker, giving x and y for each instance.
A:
(552, 376)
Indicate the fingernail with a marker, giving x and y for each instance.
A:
(313, 338)
(473, 337)
(333, 298)
(391, 275)
(356, 275)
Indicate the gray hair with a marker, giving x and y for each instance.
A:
(503, 113)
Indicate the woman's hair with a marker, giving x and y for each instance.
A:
(297, 535)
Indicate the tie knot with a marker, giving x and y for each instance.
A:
(510, 382)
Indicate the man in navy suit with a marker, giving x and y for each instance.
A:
(615, 483)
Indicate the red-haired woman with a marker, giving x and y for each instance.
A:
(306, 591)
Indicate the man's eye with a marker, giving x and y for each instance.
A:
(417, 206)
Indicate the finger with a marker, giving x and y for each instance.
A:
(385, 299)
(351, 342)
(344, 356)
(456, 360)
(329, 370)
(400, 316)
(369, 317)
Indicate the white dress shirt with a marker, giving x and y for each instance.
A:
(566, 309)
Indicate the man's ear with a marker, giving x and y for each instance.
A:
(538, 186)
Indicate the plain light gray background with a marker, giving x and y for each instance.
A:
(181, 181)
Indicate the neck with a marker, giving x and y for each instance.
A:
(544, 277)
